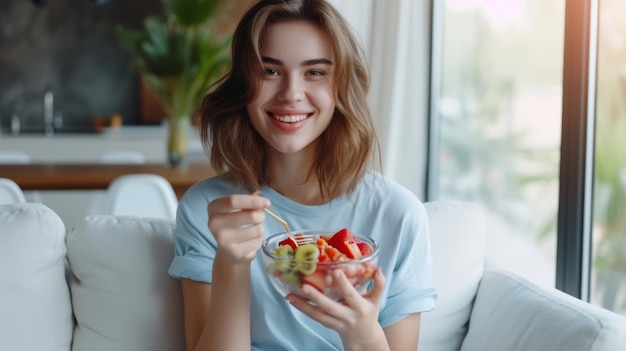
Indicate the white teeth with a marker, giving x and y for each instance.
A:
(290, 118)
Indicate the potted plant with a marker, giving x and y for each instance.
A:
(179, 54)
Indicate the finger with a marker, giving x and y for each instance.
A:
(350, 295)
(317, 306)
(238, 202)
(240, 234)
(379, 286)
(325, 304)
(248, 249)
(239, 219)
(240, 243)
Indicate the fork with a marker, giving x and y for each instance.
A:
(299, 238)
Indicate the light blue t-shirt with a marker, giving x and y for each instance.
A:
(379, 208)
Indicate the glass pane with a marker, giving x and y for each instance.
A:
(608, 273)
(500, 123)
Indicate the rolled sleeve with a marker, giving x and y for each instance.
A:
(411, 288)
(409, 302)
(194, 244)
(190, 264)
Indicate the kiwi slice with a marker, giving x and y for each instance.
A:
(306, 252)
(284, 251)
(283, 262)
(283, 265)
(306, 258)
(290, 278)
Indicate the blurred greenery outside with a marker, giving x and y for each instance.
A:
(500, 127)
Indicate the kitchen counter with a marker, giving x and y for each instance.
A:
(66, 172)
(89, 147)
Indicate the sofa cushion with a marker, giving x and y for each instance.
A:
(511, 313)
(122, 296)
(35, 309)
(457, 232)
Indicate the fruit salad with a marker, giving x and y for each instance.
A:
(290, 265)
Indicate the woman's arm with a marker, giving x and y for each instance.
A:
(404, 334)
(217, 316)
(196, 297)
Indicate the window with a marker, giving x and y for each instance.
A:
(497, 118)
(528, 119)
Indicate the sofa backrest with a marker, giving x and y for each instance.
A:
(123, 298)
(457, 231)
(122, 295)
(35, 309)
(512, 313)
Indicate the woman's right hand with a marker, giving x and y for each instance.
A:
(235, 222)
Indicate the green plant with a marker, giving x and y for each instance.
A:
(179, 54)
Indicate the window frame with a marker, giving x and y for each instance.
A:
(577, 149)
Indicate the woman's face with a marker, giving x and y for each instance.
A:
(295, 103)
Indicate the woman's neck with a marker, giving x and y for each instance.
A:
(291, 176)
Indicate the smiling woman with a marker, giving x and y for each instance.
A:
(296, 92)
(289, 126)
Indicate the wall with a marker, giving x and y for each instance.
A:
(67, 46)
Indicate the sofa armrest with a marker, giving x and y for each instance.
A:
(511, 313)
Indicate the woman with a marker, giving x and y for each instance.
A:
(289, 127)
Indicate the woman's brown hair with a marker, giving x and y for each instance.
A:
(345, 147)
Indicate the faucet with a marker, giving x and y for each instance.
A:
(48, 112)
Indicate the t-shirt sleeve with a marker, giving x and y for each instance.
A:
(411, 288)
(194, 244)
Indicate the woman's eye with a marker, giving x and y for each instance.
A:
(315, 73)
(271, 72)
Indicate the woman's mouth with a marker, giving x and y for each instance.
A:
(290, 118)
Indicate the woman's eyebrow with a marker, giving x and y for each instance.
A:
(311, 62)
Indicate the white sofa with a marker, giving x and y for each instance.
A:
(119, 295)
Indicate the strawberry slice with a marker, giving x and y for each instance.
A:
(365, 248)
(340, 237)
(345, 242)
(289, 241)
(351, 250)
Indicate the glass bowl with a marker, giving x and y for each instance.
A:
(288, 270)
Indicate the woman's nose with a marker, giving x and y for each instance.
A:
(292, 90)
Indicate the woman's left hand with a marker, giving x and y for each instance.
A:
(355, 319)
